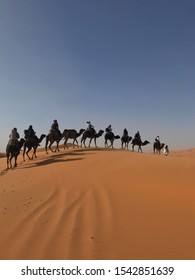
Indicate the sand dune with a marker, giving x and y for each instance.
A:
(98, 204)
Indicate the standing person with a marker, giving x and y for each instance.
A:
(166, 150)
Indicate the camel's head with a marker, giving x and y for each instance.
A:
(146, 142)
(100, 132)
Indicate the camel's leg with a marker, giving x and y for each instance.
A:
(75, 140)
(111, 144)
(57, 146)
(28, 152)
(15, 158)
(50, 147)
(46, 144)
(56, 149)
(65, 144)
(81, 142)
(84, 143)
(24, 151)
(7, 161)
(34, 152)
(95, 142)
(90, 142)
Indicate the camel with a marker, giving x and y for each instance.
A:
(72, 134)
(53, 136)
(157, 147)
(30, 143)
(125, 139)
(139, 143)
(92, 135)
(13, 150)
(110, 136)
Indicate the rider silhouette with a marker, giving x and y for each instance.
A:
(109, 129)
(137, 136)
(125, 132)
(14, 136)
(157, 139)
(30, 133)
(90, 126)
(55, 128)
(166, 150)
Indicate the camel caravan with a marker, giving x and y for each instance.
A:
(32, 142)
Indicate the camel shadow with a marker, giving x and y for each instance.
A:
(56, 158)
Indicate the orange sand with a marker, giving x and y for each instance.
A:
(98, 204)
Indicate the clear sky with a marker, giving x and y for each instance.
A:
(129, 63)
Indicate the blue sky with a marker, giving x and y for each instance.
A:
(129, 63)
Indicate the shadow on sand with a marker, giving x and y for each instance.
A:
(57, 158)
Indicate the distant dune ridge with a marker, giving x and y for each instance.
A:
(98, 204)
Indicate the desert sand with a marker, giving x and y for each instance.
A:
(98, 204)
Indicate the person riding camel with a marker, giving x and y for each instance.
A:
(108, 129)
(90, 126)
(137, 136)
(30, 133)
(125, 132)
(14, 136)
(55, 128)
(157, 139)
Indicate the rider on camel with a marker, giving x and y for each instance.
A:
(14, 136)
(90, 126)
(30, 133)
(157, 139)
(137, 136)
(125, 132)
(108, 129)
(55, 128)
